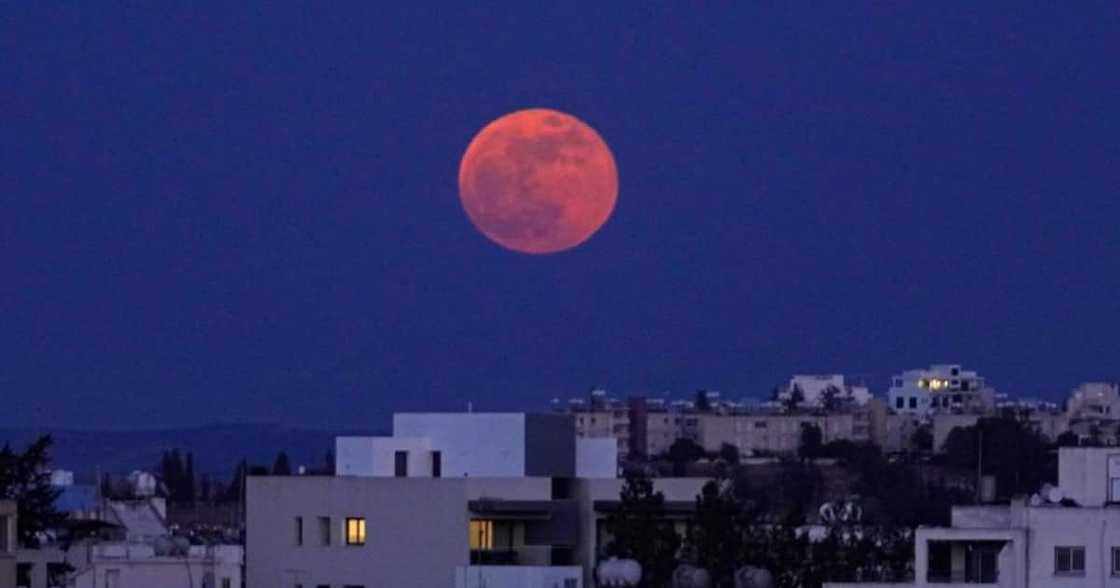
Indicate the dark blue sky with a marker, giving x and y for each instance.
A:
(226, 213)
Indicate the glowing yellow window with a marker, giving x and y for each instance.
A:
(355, 531)
(482, 535)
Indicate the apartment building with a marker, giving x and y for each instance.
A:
(780, 433)
(940, 388)
(534, 524)
(7, 544)
(1065, 536)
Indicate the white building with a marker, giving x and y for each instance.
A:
(1068, 536)
(1094, 400)
(536, 522)
(136, 551)
(491, 445)
(941, 388)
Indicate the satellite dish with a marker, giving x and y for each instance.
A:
(1055, 494)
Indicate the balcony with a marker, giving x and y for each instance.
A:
(483, 576)
(964, 562)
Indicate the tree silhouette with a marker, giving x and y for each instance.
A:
(282, 466)
(640, 531)
(25, 478)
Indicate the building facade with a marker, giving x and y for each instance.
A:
(7, 544)
(940, 388)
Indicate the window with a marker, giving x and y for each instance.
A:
(898, 382)
(23, 575)
(299, 530)
(1069, 560)
(482, 535)
(913, 402)
(900, 402)
(760, 424)
(355, 531)
(957, 398)
(437, 464)
(1114, 478)
(400, 464)
(1116, 561)
(5, 534)
(227, 583)
(324, 530)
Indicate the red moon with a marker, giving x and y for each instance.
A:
(538, 181)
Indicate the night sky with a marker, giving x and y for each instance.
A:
(230, 213)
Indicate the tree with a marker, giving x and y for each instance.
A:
(715, 538)
(329, 462)
(1015, 455)
(640, 531)
(922, 439)
(794, 399)
(282, 466)
(683, 452)
(729, 453)
(25, 478)
(186, 485)
(831, 398)
(205, 489)
(1067, 439)
(235, 487)
(811, 441)
(703, 403)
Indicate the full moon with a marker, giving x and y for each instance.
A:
(538, 181)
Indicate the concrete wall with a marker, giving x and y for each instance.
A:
(471, 444)
(7, 544)
(1097, 529)
(416, 531)
(550, 445)
(596, 458)
(164, 571)
(1084, 472)
(376, 456)
(516, 577)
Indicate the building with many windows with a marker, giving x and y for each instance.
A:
(1064, 536)
(941, 388)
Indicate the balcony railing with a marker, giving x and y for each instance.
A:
(962, 578)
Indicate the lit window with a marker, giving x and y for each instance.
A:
(482, 535)
(355, 531)
(1069, 560)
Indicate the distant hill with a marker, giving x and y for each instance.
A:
(217, 448)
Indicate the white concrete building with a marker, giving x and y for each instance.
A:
(1094, 400)
(456, 445)
(538, 526)
(940, 388)
(1068, 536)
